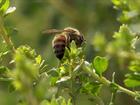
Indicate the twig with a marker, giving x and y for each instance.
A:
(5, 36)
(106, 82)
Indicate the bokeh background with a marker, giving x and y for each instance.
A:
(96, 19)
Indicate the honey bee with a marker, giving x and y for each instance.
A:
(63, 38)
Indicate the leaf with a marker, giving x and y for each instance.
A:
(116, 2)
(56, 101)
(91, 88)
(38, 59)
(44, 102)
(11, 88)
(25, 66)
(5, 6)
(3, 69)
(134, 65)
(2, 54)
(4, 74)
(10, 10)
(100, 64)
(123, 39)
(53, 72)
(73, 49)
(65, 78)
(6, 79)
(133, 79)
(114, 87)
(27, 51)
(135, 76)
(131, 82)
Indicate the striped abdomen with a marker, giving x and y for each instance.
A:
(59, 44)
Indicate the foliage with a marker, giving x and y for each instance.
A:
(59, 101)
(100, 64)
(32, 80)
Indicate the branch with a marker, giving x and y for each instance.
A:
(106, 82)
(5, 36)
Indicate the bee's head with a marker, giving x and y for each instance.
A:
(75, 35)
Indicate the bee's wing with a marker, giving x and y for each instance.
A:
(52, 31)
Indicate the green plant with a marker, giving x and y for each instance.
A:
(35, 83)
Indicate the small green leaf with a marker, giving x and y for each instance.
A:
(44, 102)
(134, 76)
(10, 10)
(4, 74)
(63, 79)
(3, 69)
(116, 2)
(135, 65)
(114, 87)
(53, 72)
(73, 49)
(100, 64)
(91, 88)
(5, 6)
(137, 98)
(132, 83)
(11, 88)
(38, 59)
(53, 80)
(6, 79)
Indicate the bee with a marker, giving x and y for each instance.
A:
(63, 38)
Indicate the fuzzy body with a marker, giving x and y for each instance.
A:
(63, 40)
(59, 43)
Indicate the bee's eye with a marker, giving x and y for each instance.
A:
(80, 38)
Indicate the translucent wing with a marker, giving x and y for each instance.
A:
(52, 31)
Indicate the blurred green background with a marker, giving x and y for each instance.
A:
(96, 19)
(32, 17)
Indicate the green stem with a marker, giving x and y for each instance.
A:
(5, 36)
(129, 92)
(71, 84)
(106, 82)
(112, 99)
(6, 79)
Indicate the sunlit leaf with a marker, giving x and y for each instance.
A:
(100, 64)
(3, 69)
(10, 10)
(132, 83)
(11, 88)
(38, 59)
(134, 65)
(63, 79)
(4, 74)
(116, 2)
(44, 102)
(91, 88)
(5, 6)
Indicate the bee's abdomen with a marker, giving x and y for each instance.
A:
(59, 44)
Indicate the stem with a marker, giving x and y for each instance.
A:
(71, 84)
(112, 99)
(106, 82)
(31, 99)
(6, 79)
(129, 92)
(113, 95)
(5, 36)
